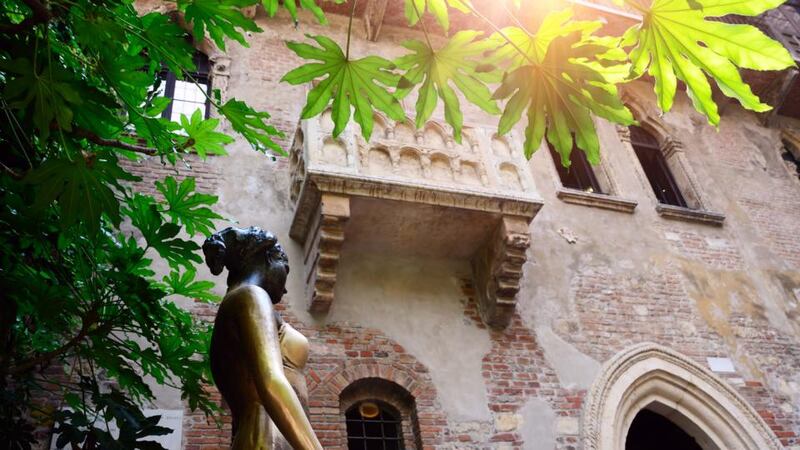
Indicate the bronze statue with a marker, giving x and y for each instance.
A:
(251, 345)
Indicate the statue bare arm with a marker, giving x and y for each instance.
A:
(260, 345)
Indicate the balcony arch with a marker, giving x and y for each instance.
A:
(653, 377)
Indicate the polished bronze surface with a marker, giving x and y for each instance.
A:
(252, 349)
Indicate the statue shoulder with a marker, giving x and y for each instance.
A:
(247, 294)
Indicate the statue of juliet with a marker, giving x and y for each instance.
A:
(256, 358)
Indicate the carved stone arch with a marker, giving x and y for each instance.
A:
(651, 376)
(437, 136)
(469, 140)
(404, 132)
(410, 162)
(647, 117)
(501, 146)
(334, 152)
(381, 125)
(441, 166)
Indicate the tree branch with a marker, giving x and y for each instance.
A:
(46, 357)
(41, 14)
(90, 319)
(11, 172)
(92, 137)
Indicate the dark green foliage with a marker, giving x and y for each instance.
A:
(82, 315)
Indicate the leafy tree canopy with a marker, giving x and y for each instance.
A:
(82, 310)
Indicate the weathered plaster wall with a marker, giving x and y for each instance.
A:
(701, 290)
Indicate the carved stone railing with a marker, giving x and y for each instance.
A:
(485, 178)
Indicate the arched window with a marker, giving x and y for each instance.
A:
(655, 167)
(379, 414)
(579, 175)
(188, 93)
(373, 425)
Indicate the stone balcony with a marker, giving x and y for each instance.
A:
(413, 193)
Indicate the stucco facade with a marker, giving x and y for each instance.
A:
(600, 274)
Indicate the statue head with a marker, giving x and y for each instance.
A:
(249, 253)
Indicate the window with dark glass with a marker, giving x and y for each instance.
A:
(655, 167)
(579, 175)
(188, 94)
(373, 425)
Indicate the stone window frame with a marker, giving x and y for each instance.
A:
(610, 200)
(390, 393)
(652, 376)
(700, 209)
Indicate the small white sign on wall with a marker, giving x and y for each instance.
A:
(721, 365)
(170, 418)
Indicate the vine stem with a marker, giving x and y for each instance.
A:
(422, 22)
(515, 19)
(497, 30)
(350, 29)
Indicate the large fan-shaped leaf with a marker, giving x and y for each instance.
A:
(560, 94)
(675, 42)
(361, 83)
(436, 69)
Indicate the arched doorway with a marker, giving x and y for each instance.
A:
(652, 431)
(693, 401)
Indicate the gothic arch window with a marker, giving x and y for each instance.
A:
(666, 168)
(189, 92)
(379, 414)
(649, 377)
(655, 167)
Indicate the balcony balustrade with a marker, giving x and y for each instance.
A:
(413, 193)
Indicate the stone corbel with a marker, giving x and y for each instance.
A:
(497, 270)
(322, 248)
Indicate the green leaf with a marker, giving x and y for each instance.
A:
(159, 29)
(454, 63)
(161, 236)
(83, 190)
(719, 8)
(201, 136)
(252, 125)
(559, 96)
(361, 83)
(184, 284)
(271, 7)
(415, 8)
(187, 207)
(45, 93)
(675, 43)
(534, 47)
(220, 18)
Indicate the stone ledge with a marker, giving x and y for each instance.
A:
(690, 215)
(595, 200)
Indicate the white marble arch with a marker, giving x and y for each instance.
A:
(651, 376)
